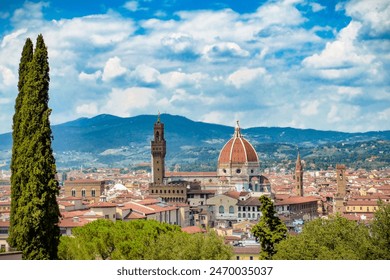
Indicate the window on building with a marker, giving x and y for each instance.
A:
(231, 210)
(243, 215)
(202, 196)
(73, 192)
(221, 209)
(237, 257)
(251, 258)
(239, 208)
(106, 216)
(239, 215)
(83, 192)
(93, 192)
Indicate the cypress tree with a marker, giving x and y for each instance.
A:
(37, 214)
(16, 179)
(270, 230)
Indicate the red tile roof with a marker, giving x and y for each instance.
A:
(102, 205)
(193, 229)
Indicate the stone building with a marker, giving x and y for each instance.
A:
(87, 189)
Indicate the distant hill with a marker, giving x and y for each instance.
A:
(110, 140)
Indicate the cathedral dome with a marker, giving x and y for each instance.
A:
(237, 150)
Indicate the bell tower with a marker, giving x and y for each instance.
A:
(299, 176)
(339, 203)
(158, 147)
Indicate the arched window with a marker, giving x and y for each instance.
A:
(73, 192)
(83, 192)
(239, 215)
(231, 210)
(221, 209)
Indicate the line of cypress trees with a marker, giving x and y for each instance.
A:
(34, 210)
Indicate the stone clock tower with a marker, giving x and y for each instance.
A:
(158, 147)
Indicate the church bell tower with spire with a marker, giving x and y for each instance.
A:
(299, 176)
(158, 148)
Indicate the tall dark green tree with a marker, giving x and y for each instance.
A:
(16, 178)
(35, 228)
(270, 230)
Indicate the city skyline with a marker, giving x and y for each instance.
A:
(304, 64)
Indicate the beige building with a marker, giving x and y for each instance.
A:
(224, 207)
(87, 189)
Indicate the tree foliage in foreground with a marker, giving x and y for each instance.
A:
(35, 215)
(338, 238)
(140, 240)
(380, 232)
(335, 238)
(270, 230)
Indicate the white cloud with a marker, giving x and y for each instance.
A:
(129, 101)
(132, 6)
(181, 45)
(224, 51)
(90, 109)
(280, 12)
(8, 77)
(146, 74)
(176, 79)
(342, 112)
(373, 14)
(8, 39)
(340, 53)
(113, 69)
(310, 108)
(90, 77)
(245, 75)
(315, 7)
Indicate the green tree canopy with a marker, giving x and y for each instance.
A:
(140, 240)
(380, 231)
(270, 230)
(334, 238)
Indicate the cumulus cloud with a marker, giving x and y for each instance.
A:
(245, 75)
(8, 39)
(113, 69)
(90, 109)
(129, 101)
(90, 77)
(176, 79)
(373, 15)
(310, 108)
(8, 77)
(212, 65)
(279, 12)
(315, 7)
(224, 51)
(131, 6)
(181, 46)
(145, 74)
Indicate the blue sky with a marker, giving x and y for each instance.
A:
(298, 63)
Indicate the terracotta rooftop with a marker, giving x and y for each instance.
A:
(193, 229)
(297, 200)
(237, 150)
(102, 205)
(252, 201)
(190, 174)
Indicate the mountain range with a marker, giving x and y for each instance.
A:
(107, 140)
